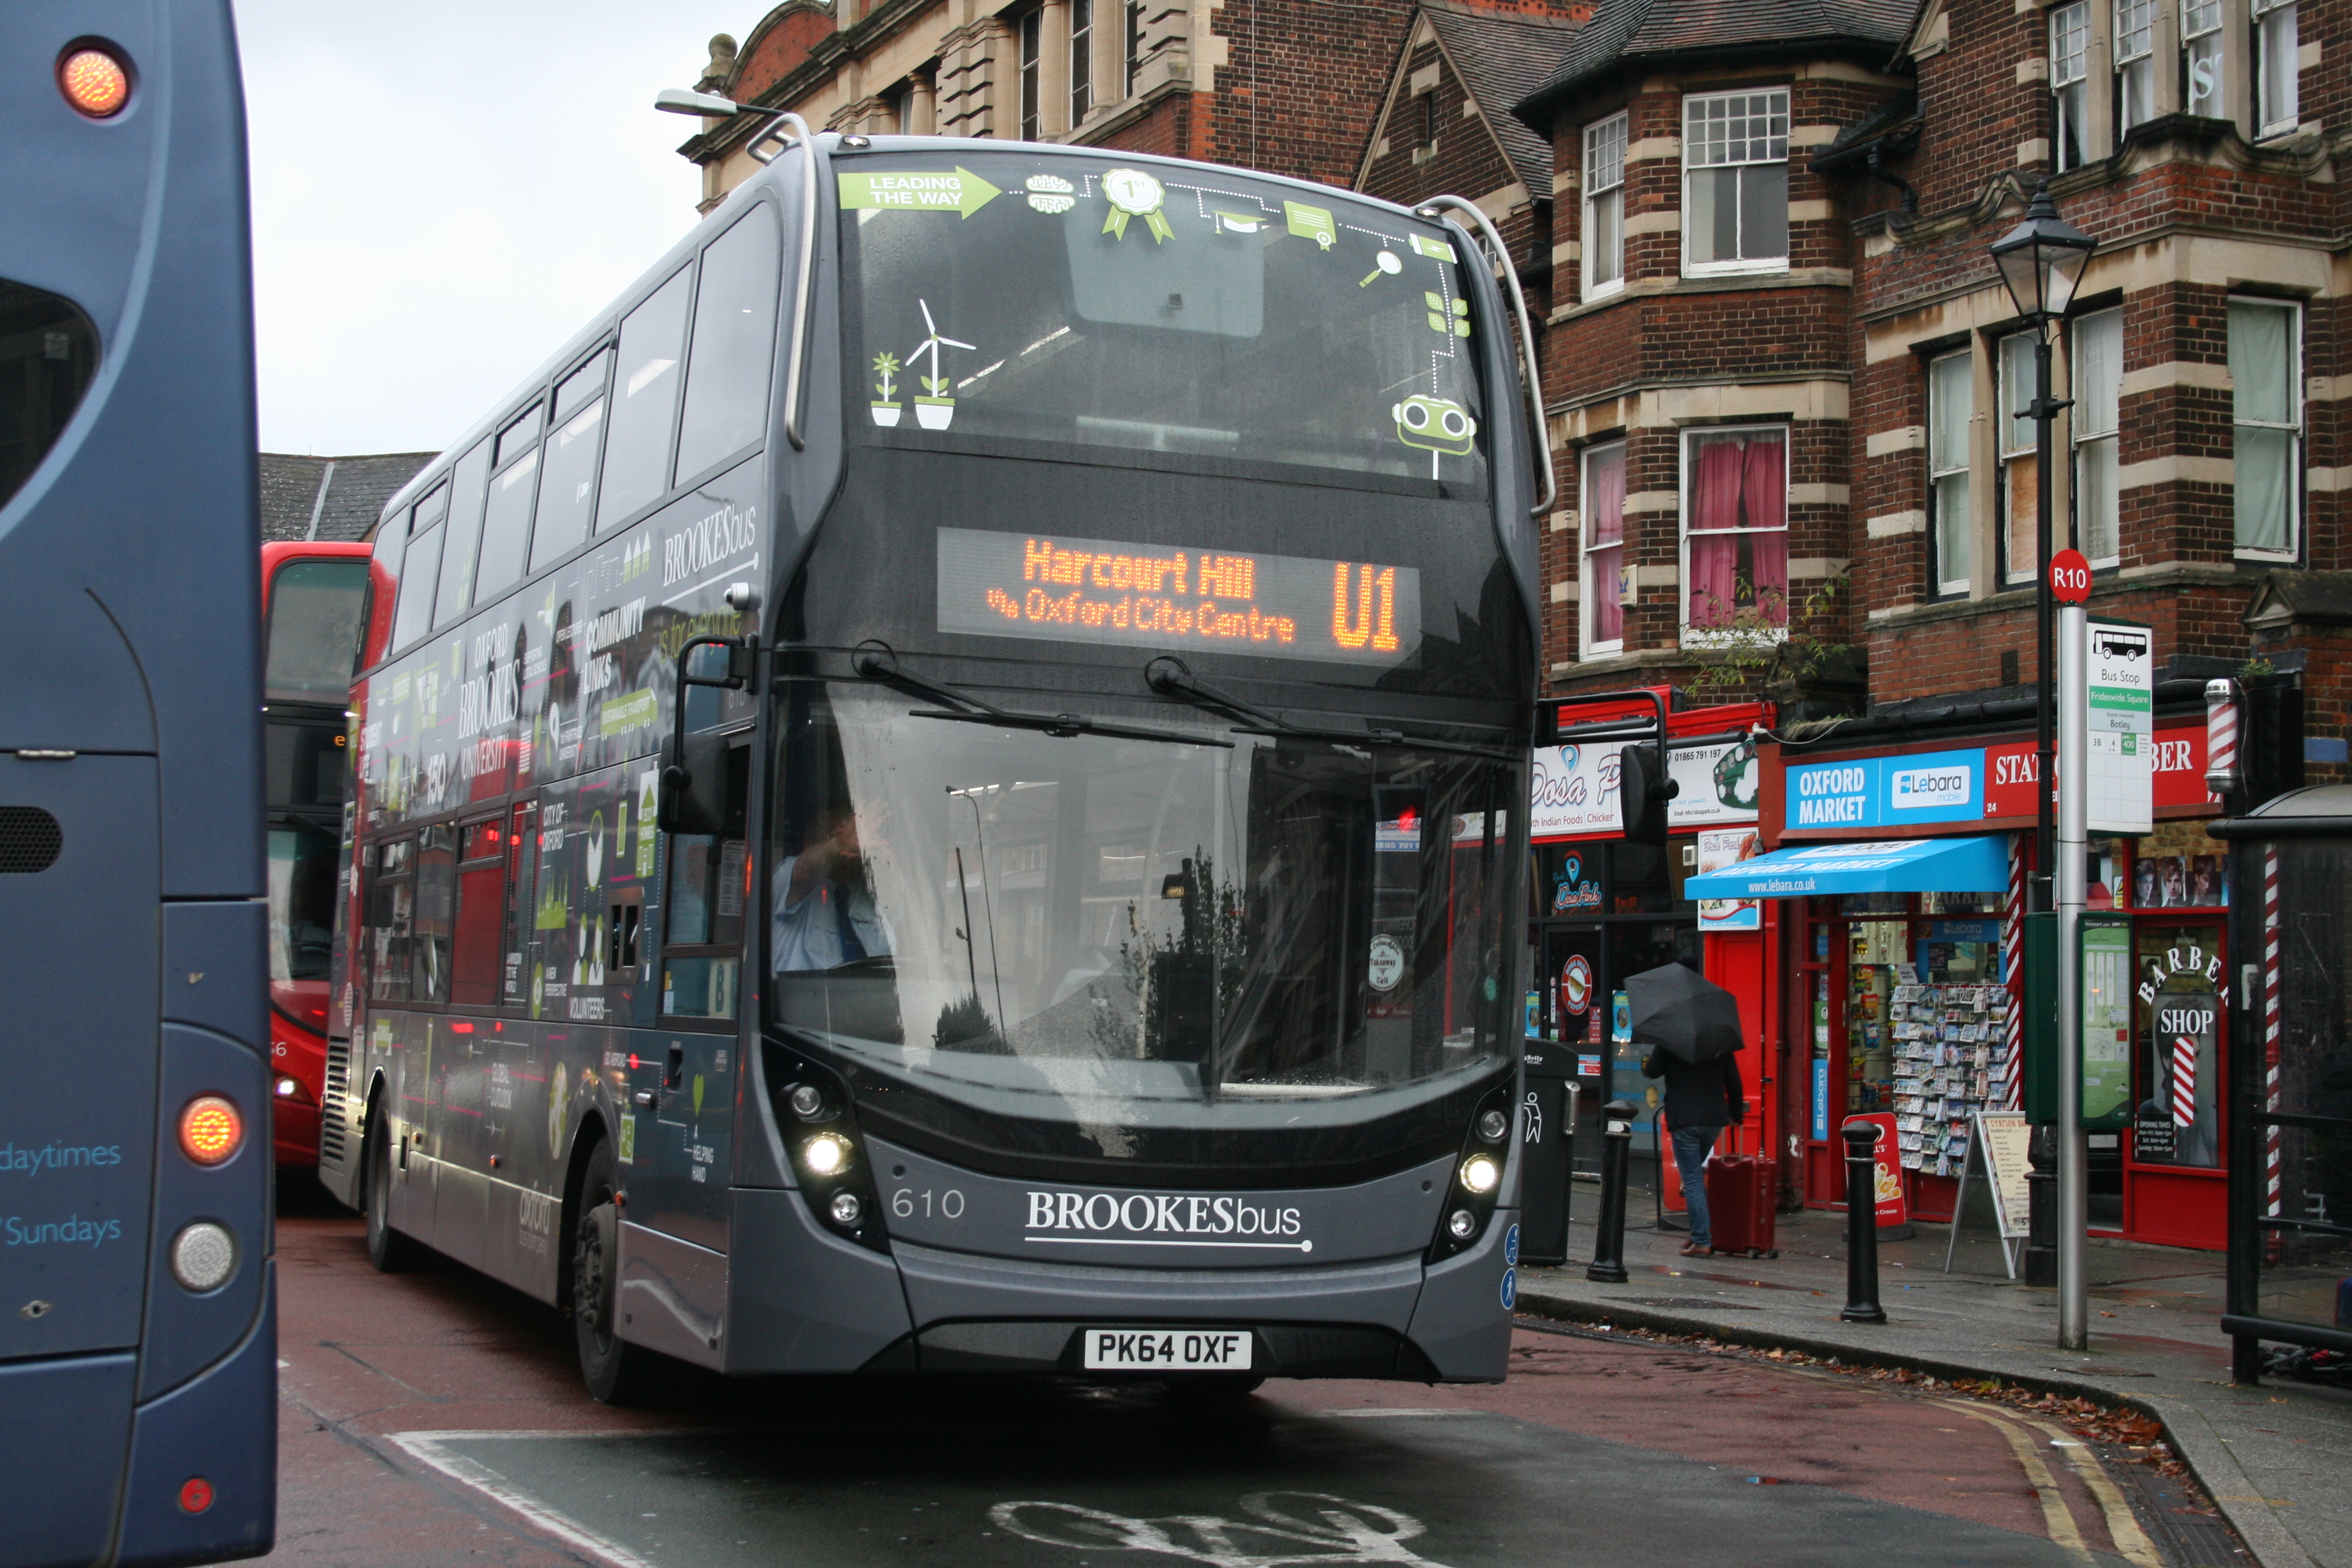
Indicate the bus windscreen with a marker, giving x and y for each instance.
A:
(1038, 296)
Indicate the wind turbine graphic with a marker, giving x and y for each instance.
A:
(933, 411)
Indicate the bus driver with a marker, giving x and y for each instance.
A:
(825, 914)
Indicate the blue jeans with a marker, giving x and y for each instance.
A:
(1691, 1146)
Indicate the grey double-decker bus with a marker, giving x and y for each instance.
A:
(945, 789)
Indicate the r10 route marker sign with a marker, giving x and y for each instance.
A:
(2070, 578)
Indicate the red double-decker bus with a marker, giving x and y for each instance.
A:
(314, 598)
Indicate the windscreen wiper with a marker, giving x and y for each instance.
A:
(878, 661)
(1172, 676)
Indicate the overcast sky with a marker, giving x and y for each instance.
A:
(445, 190)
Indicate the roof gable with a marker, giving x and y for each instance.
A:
(1497, 54)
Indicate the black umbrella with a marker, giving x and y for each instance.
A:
(1680, 1010)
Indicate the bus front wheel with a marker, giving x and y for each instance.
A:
(388, 1250)
(616, 1372)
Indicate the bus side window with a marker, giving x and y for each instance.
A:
(506, 525)
(471, 480)
(567, 490)
(702, 952)
(645, 401)
(522, 872)
(420, 570)
(481, 910)
(727, 371)
(390, 918)
(436, 896)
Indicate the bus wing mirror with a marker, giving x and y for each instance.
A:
(694, 784)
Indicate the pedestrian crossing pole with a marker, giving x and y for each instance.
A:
(2070, 583)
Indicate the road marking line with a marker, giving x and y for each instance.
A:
(2123, 1525)
(426, 1447)
(2055, 1516)
(1366, 1415)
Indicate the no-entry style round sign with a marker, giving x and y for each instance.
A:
(2070, 578)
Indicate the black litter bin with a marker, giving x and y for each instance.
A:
(1547, 1143)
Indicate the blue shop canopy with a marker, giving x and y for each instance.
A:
(1975, 863)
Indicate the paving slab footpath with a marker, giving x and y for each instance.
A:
(2277, 1458)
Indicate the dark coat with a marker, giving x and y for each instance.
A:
(1706, 1095)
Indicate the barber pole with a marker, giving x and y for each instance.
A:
(2222, 775)
(2012, 962)
(2273, 1152)
(2184, 1080)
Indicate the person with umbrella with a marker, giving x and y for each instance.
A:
(1691, 1028)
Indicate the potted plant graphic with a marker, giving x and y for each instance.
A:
(887, 407)
(933, 407)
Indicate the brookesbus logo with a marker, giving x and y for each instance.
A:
(1161, 1220)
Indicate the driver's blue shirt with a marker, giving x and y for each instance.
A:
(829, 926)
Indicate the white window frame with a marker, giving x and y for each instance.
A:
(2204, 59)
(2291, 425)
(1081, 72)
(2089, 436)
(2015, 440)
(2135, 64)
(1949, 515)
(1719, 636)
(1590, 587)
(1754, 150)
(2070, 78)
(2278, 84)
(1029, 75)
(1604, 160)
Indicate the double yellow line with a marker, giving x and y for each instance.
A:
(2122, 1526)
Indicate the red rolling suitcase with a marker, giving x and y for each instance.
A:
(1742, 1196)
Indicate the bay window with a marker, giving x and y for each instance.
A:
(2201, 61)
(1735, 508)
(2135, 63)
(1736, 182)
(1950, 405)
(2277, 90)
(2099, 398)
(2266, 419)
(1604, 206)
(2020, 494)
(2070, 76)
(1599, 590)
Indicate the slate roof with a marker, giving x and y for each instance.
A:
(354, 491)
(1628, 30)
(1502, 56)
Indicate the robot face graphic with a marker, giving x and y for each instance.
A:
(1435, 424)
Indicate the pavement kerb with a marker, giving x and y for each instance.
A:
(2185, 1427)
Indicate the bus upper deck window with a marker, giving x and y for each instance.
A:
(727, 369)
(568, 488)
(644, 403)
(470, 484)
(506, 522)
(420, 571)
(48, 351)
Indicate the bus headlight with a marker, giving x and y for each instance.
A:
(203, 1255)
(1493, 1125)
(846, 1209)
(825, 1154)
(807, 1101)
(1463, 1224)
(1481, 1175)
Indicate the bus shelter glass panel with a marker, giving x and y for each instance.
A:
(2305, 1250)
(1141, 310)
(1135, 934)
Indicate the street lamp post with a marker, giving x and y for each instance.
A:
(2041, 261)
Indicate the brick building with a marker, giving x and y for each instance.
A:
(1783, 376)
(1290, 86)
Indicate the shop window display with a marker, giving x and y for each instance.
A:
(2179, 1025)
(1926, 1022)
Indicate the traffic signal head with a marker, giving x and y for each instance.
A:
(1643, 791)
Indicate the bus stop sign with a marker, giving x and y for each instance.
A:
(2070, 578)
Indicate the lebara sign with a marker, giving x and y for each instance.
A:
(1886, 792)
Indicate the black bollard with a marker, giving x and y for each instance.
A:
(1616, 1151)
(1861, 1224)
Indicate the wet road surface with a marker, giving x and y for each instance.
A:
(437, 1418)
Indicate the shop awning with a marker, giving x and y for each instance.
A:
(1971, 863)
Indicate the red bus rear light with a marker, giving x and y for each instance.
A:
(94, 82)
(195, 1495)
(211, 1130)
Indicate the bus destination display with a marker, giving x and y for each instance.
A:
(1101, 591)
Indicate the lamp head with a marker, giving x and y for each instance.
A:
(2042, 258)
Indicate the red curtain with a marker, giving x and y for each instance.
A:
(1738, 527)
(1605, 503)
